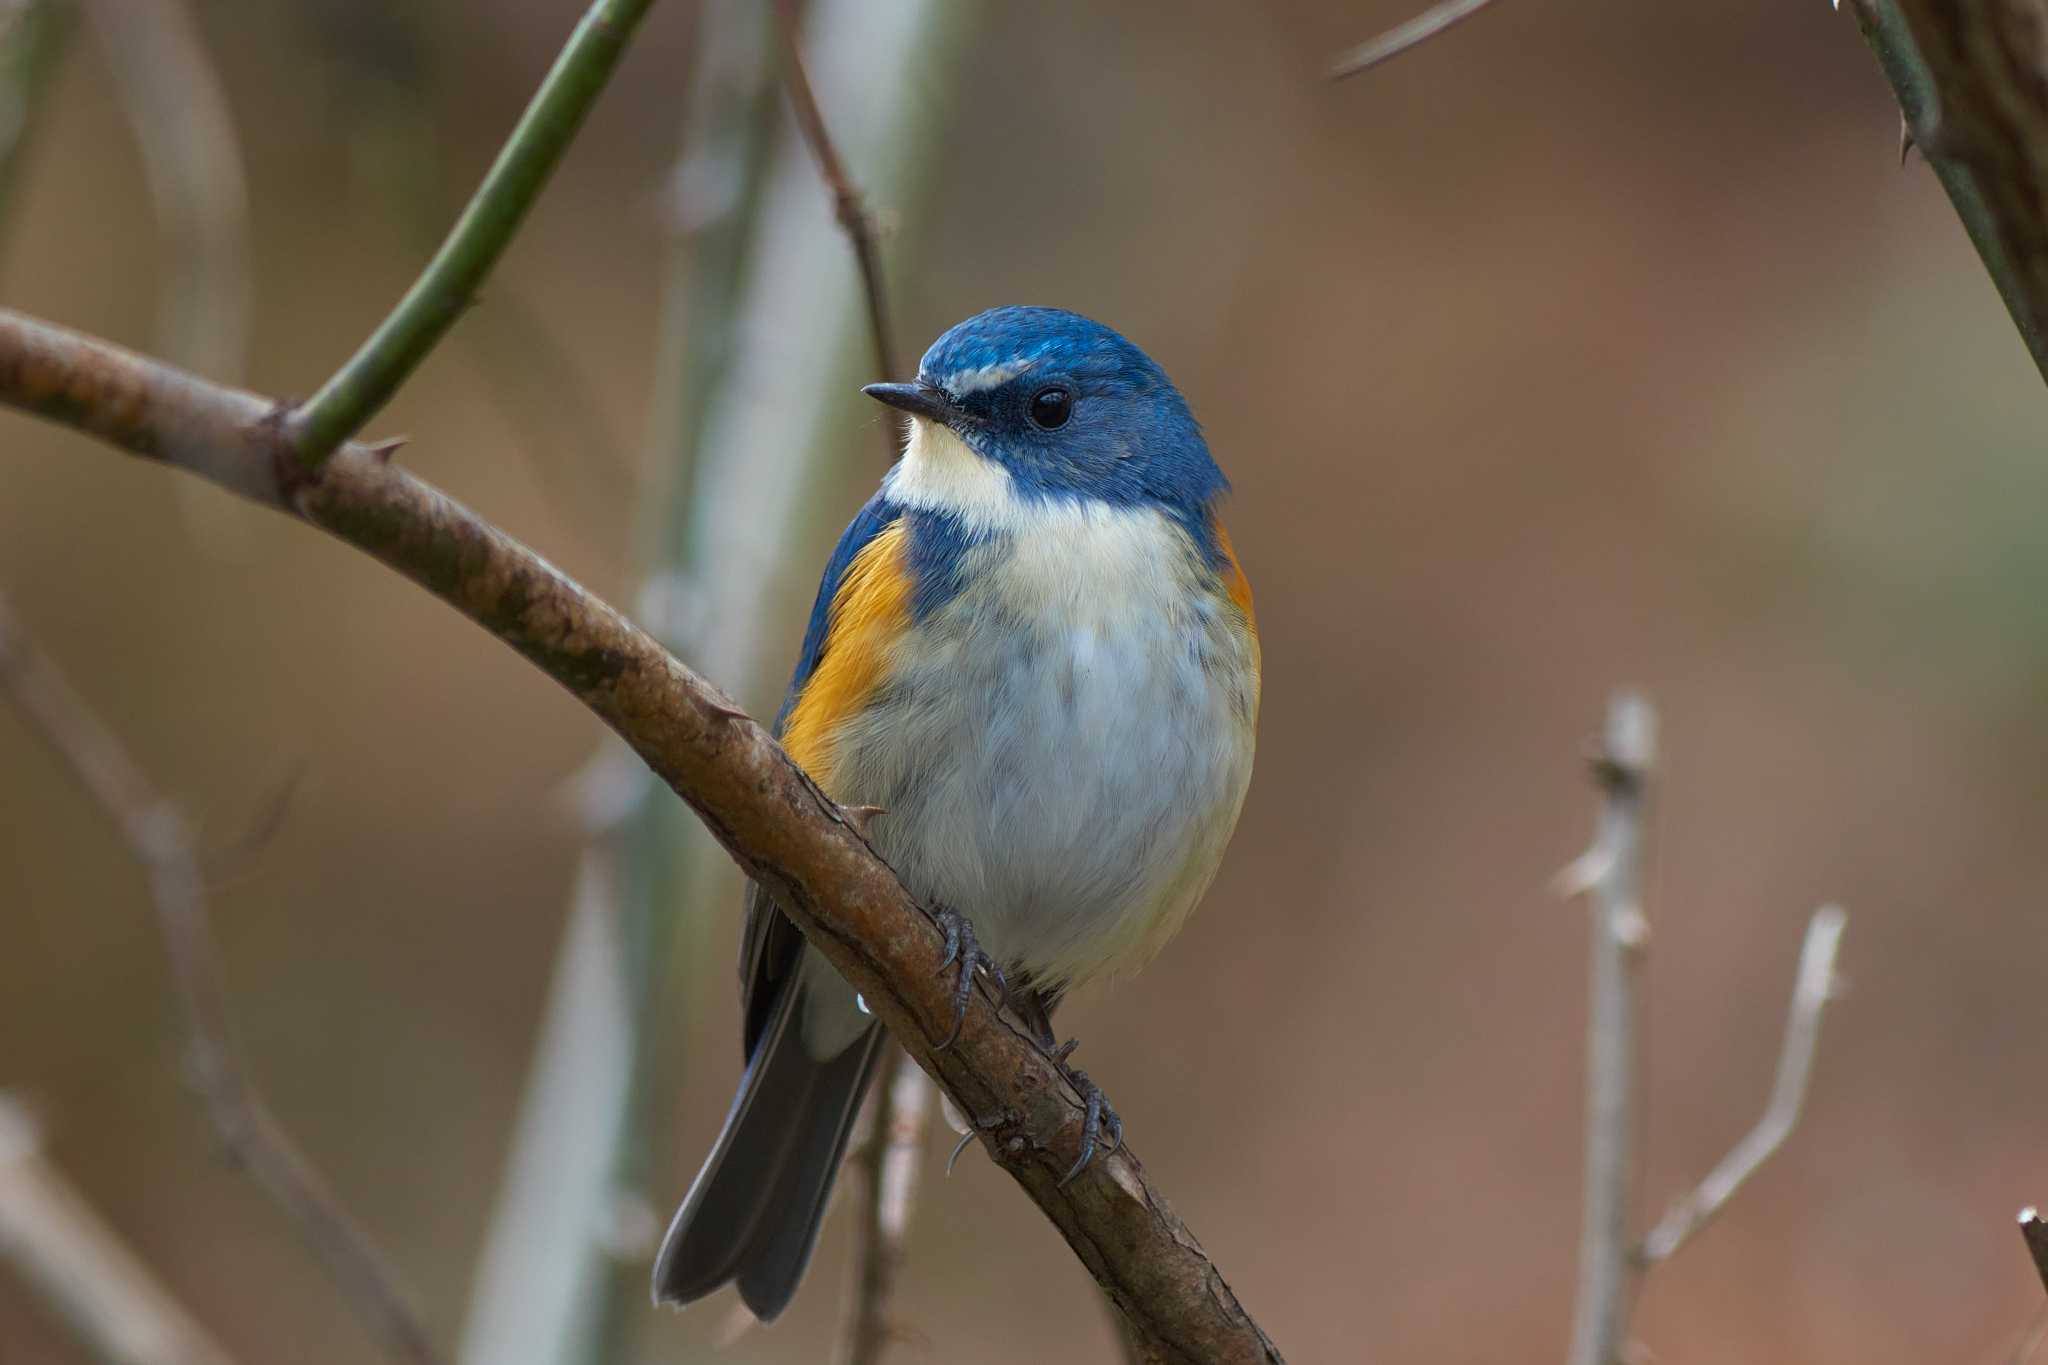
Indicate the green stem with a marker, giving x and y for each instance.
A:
(1891, 39)
(360, 389)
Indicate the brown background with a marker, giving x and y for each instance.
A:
(1596, 343)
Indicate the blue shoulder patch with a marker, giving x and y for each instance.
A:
(937, 541)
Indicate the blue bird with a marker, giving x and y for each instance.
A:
(1034, 651)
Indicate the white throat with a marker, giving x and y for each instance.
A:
(940, 473)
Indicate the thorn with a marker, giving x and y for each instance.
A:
(1905, 137)
(725, 710)
(958, 1148)
(858, 817)
(383, 450)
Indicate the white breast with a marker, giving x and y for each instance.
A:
(1062, 749)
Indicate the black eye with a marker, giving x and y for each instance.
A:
(1050, 408)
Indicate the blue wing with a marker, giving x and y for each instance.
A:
(865, 526)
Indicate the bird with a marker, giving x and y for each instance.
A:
(1034, 658)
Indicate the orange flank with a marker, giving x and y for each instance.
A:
(869, 613)
(1234, 582)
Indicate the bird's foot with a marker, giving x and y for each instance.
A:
(1100, 1123)
(964, 958)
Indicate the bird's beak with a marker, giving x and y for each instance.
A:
(919, 400)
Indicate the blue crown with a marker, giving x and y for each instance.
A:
(1131, 440)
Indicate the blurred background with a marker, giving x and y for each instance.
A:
(1590, 344)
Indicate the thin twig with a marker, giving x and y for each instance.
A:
(156, 835)
(70, 1256)
(360, 389)
(783, 832)
(888, 1165)
(848, 203)
(1788, 1095)
(1402, 37)
(192, 159)
(1611, 874)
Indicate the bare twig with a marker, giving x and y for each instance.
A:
(1788, 1095)
(80, 1265)
(157, 836)
(1612, 877)
(888, 1165)
(193, 161)
(1402, 37)
(783, 832)
(848, 203)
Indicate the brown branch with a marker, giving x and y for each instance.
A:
(782, 831)
(80, 1265)
(1402, 37)
(888, 1164)
(157, 836)
(849, 205)
(1971, 79)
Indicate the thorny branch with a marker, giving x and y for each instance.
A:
(783, 832)
(157, 836)
(1971, 79)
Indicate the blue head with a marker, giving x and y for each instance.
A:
(1068, 408)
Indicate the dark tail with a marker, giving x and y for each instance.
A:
(753, 1214)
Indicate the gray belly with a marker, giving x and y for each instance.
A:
(1068, 786)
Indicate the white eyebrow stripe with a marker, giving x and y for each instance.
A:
(960, 383)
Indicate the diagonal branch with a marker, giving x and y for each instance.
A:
(780, 829)
(1810, 991)
(156, 834)
(1971, 79)
(360, 389)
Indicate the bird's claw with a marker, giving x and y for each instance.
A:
(965, 957)
(1100, 1122)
